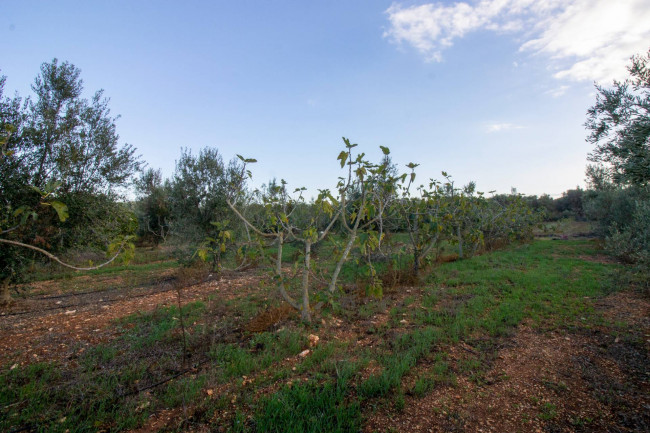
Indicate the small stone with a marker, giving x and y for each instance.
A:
(304, 353)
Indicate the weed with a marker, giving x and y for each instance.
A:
(548, 411)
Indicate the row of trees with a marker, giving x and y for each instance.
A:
(63, 176)
(210, 204)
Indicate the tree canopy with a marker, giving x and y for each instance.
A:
(619, 125)
(60, 153)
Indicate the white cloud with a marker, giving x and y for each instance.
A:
(583, 39)
(558, 91)
(500, 127)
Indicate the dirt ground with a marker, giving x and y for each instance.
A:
(53, 326)
(591, 379)
(587, 380)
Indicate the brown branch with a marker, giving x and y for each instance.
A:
(10, 229)
(59, 261)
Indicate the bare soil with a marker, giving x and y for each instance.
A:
(590, 379)
(52, 326)
(582, 380)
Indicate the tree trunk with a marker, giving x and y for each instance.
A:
(339, 264)
(278, 272)
(5, 294)
(460, 242)
(416, 264)
(346, 251)
(305, 313)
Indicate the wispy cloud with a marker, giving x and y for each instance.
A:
(558, 91)
(583, 39)
(500, 127)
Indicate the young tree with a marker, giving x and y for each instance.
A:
(425, 214)
(291, 219)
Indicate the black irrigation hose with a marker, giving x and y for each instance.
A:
(168, 379)
(120, 396)
(58, 307)
(108, 289)
(140, 295)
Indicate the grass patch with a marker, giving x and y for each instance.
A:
(312, 407)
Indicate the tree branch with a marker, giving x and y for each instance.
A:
(59, 261)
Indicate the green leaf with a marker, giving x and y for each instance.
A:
(385, 150)
(343, 156)
(203, 254)
(61, 210)
(19, 211)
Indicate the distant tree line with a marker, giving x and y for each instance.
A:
(569, 205)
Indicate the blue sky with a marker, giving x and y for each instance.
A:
(494, 91)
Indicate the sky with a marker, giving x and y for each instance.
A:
(491, 91)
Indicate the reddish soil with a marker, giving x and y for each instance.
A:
(589, 380)
(49, 328)
(567, 380)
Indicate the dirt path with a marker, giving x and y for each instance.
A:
(54, 328)
(588, 380)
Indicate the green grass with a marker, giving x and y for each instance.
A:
(491, 295)
(312, 407)
(479, 301)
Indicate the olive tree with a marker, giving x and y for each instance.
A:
(60, 148)
(619, 125)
